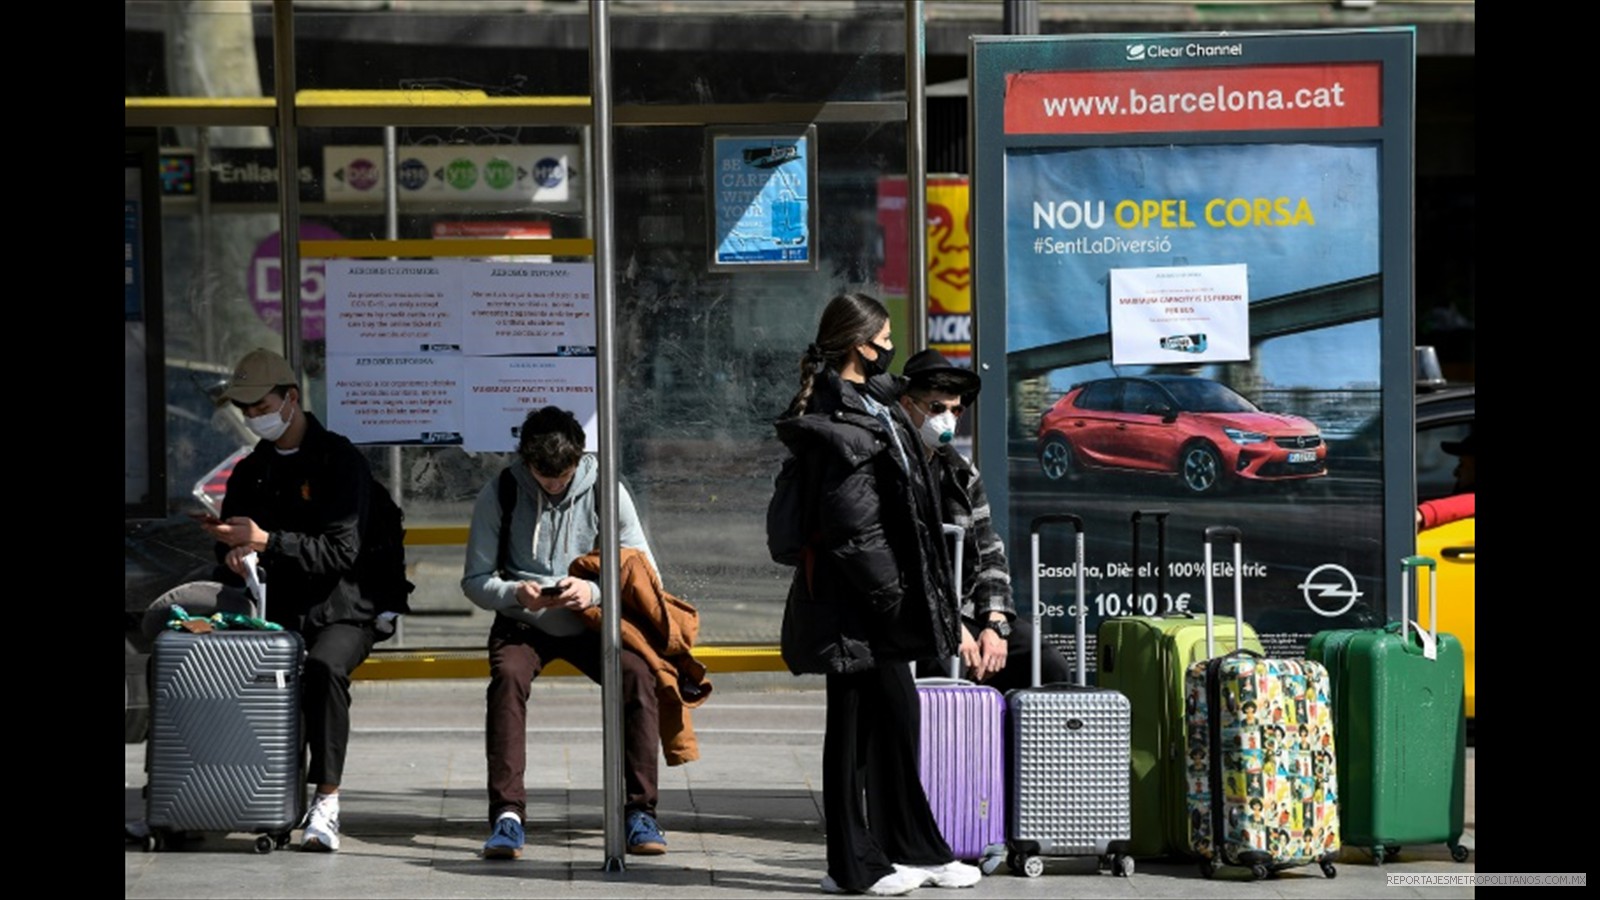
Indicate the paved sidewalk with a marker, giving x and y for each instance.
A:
(745, 820)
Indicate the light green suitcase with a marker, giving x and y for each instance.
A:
(1145, 657)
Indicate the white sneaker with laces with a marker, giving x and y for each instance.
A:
(953, 874)
(903, 880)
(322, 825)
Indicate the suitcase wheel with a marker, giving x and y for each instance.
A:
(264, 843)
(1459, 852)
(1025, 864)
(1122, 866)
(1259, 871)
(1329, 870)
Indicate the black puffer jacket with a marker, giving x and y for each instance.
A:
(871, 577)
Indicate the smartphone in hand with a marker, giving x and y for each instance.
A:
(553, 590)
(205, 518)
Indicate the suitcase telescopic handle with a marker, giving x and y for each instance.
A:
(1408, 566)
(1038, 608)
(1214, 534)
(258, 587)
(958, 537)
(1160, 517)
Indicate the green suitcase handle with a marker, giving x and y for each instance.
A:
(1408, 565)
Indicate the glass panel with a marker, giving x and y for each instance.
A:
(705, 361)
(446, 46)
(800, 52)
(214, 49)
(708, 360)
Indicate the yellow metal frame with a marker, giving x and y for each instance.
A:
(407, 664)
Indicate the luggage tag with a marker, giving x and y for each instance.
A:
(1430, 647)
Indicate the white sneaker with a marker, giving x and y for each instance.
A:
(322, 825)
(953, 874)
(903, 880)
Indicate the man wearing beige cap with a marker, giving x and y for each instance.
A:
(297, 501)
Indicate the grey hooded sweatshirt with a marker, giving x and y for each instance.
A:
(547, 534)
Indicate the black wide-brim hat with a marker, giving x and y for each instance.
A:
(921, 368)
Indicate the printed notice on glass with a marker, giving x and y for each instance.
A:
(532, 308)
(502, 390)
(393, 306)
(1180, 314)
(396, 398)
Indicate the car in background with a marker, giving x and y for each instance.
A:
(1446, 413)
(160, 553)
(1453, 547)
(1197, 430)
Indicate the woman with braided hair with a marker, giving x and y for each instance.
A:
(857, 513)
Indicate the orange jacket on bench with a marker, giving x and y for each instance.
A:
(662, 629)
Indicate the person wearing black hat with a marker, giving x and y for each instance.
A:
(934, 394)
(1463, 503)
(297, 502)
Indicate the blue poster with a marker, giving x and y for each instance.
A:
(761, 198)
(1300, 216)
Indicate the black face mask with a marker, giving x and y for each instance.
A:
(876, 366)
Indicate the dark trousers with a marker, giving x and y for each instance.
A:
(517, 654)
(332, 653)
(873, 805)
(1018, 673)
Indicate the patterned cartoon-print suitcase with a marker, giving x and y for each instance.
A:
(1263, 789)
(1068, 749)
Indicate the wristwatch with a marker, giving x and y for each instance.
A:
(1001, 627)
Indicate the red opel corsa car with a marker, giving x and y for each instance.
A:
(1195, 428)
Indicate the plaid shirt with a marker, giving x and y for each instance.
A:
(985, 576)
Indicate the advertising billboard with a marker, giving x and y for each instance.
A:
(1193, 268)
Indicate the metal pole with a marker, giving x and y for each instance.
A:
(391, 230)
(916, 178)
(605, 366)
(288, 181)
(1021, 17)
(202, 170)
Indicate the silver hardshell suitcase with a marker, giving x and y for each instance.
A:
(224, 751)
(1070, 747)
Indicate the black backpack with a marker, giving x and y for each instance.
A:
(381, 564)
(381, 567)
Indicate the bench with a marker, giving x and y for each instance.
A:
(470, 663)
(395, 665)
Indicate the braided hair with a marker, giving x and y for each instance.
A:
(848, 321)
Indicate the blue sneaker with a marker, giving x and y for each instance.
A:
(506, 840)
(644, 835)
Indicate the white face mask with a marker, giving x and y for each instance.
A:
(937, 430)
(269, 426)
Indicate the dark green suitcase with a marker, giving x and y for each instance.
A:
(1399, 720)
(1145, 657)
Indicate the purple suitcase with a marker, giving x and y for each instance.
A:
(962, 764)
(962, 757)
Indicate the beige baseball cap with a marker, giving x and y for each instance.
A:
(259, 372)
